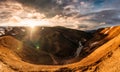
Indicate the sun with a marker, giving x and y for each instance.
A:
(32, 26)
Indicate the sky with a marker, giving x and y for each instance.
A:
(88, 6)
(79, 14)
(79, 6)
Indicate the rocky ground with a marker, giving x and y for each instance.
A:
(60, 49)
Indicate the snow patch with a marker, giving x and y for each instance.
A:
(108, 29)
(79, 49)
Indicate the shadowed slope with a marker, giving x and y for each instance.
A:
(47, 45)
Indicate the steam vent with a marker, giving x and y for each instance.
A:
(59, 49)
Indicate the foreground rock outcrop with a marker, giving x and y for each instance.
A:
(100, 50)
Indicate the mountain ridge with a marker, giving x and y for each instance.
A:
(92, 62)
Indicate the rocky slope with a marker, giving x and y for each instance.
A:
(100, 50)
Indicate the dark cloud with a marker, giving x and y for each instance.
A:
(68, 7)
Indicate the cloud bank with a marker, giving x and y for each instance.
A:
(76, 14)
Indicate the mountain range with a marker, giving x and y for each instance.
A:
(99, 50)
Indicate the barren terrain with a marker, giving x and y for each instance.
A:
(104, 58)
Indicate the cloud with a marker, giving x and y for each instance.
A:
(91, 16)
